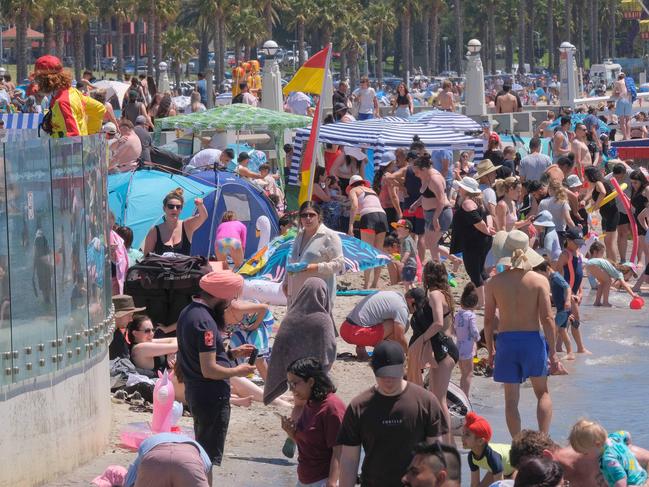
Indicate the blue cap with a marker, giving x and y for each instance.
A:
(387, 158)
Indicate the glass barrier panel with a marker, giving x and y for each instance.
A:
(6, 356)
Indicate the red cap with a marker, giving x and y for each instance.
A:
(478, 425)
(494, 136)
(48, 64)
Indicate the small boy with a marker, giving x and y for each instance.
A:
(268, 182)
(562, 298)
(616, 461)
(286, 223)
(493, 457)
(408, 253)
(606, 274)
(392, 247)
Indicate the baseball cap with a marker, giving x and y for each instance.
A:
(388, 360)
(140, 120)
(243, 156)
(575, 234)
(387, 158)
(403, 223)
(109, 128)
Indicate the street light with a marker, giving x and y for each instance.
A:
(474, 96)
(271, 94)
(474, 46)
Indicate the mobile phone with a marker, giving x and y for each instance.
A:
(253, 357)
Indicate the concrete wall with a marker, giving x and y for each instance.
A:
(54, 423)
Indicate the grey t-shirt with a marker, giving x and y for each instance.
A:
(488, 194)
(408, 245)
(534, 165)
(557, 209)
(376, 308)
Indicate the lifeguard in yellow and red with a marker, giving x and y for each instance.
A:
(72, 112)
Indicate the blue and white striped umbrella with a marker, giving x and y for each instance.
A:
(446, 120)
(384, 134)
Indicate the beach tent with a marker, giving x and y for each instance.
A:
(135, 198)
(248, 202)
(21, 121)
(447, 120)
(385, 134)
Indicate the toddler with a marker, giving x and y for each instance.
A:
(467, 334)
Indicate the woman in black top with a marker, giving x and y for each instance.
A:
(609, 213)
(639, 196)
(147, 352)
(403, 103)
(174, 235)
(472, 232)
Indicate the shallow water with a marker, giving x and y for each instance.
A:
(609, 386)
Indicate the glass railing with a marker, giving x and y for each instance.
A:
(54, 259)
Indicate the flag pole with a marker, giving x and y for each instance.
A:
(318, 114)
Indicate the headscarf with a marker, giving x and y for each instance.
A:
(222, 284)
(307, 330)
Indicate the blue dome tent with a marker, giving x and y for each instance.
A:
(236, 194)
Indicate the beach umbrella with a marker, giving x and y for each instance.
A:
(579, 118)
(116, 88)
(446, 120)
(270, 262)
(136, 198)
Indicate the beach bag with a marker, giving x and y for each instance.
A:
(165, 285)
(630, 87)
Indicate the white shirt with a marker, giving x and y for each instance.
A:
(366, 97)
(298, 103)
(206, 157)
(250, 99)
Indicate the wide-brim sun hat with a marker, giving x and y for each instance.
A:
(470, 185)
(517, 253)
(544, 219)
(356, 152)
(484, 167)
(498, 244)
(124, 305)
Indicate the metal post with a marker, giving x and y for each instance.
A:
(445, 40)
(2, 52)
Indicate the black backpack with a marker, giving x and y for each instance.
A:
(165, 285)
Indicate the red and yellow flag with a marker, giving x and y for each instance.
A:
(310, 78)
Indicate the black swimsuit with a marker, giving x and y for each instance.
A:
(441, 343)
(428, 193)
(183, 247)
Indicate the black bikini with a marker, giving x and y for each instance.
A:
(428, 193)
(183, 247)
(441, 343)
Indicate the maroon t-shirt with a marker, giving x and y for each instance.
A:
(315, 436)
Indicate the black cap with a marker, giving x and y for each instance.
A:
(388, 360)
(339, 107)
(243, 156)
(411, 155)
(575, 234)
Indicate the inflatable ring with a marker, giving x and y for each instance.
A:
(609, 197)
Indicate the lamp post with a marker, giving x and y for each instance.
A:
(567, 77)
(474, 92)
(445, 40)
(271, 94)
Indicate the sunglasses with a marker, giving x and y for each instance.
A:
(174, 207)
(147, 330)
(308, 216)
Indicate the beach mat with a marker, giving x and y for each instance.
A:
(356, 292)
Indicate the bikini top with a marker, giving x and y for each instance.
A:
(183, 247)
(428, 193)
(403, 100)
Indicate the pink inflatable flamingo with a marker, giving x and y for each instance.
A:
(163, 402)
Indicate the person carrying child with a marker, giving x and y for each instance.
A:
(408, 253)
(606, 273)
(492, 457)
(616, 461)
(467, 334)
(561, 298)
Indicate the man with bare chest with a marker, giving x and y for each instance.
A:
(520, 351)
(580, 150)
(507, 102)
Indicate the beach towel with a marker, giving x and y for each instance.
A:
(306, 331)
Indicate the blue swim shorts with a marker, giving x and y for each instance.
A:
(561, 318)
(624, 108)
(520, 355)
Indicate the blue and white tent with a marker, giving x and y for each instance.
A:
(382, 135)
(446, 120)
(21, 121)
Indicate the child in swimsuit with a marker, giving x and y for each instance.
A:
(616, 461)
(571, 263)
(251, 322)
(492, 457)
(467, 334)
(605, 273)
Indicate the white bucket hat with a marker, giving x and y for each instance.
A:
(573, 181)
(469, 185)
(544, 219)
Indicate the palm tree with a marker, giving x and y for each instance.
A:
(122, 10)
(165, 11)
(435, 13)
(269, 9)
(246, 29)
(21, 12)
(405, 10)
(491, 22)
(80, 11)
(380, 16)
(324, 16)
(354, 33)
(612, 16)
(550, 33)
(567, 20)
(521, 36)
(149, 16)
(459, 26)
(301, 15)
(180, 45)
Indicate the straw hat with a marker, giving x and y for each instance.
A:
(124, 305)
(498, 245)
(470, 185)
(517, 253)
(484, 167)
